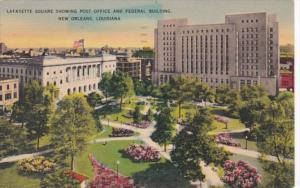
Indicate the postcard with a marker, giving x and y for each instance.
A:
(147, 93)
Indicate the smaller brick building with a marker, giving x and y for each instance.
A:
(287, 81)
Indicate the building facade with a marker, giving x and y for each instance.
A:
(9, 92)
(242, 51)
(130, 65)
(69, 75)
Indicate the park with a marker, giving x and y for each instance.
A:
(181, 134)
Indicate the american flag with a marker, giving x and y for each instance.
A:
(79, 44)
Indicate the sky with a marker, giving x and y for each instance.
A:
(133, 30)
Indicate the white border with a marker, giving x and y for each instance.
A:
(297, 91)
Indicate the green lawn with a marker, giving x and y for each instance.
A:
(9, 178)
(239, 137)
(113, 113)
(234, 124)
(108, 155)
(218, 127)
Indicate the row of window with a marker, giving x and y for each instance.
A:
(248, 82)
(8, 96)
(17, 71)
(85, 88)
(8, 87)
(248, 21)
(169, 25)
(247, 73)
(207, 30)
(165, 78)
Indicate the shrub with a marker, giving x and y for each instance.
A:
(120, 132)
(36, 165)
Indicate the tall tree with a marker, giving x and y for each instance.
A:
(276, 137)
(38, 102)
(18, 113)
(235, 103)
(165, 128)
(70, 126)
(122, 85)
(223, 94)
(193, 145)
(202, 91)
(180, 89)
(12, 138)
(105, 84)
(251, 112)
(137, 115)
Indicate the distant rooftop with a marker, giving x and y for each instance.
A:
(53, 60)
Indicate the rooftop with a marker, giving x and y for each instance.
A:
(53, 60)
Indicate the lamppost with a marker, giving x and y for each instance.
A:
(246, 137)
(118, 162)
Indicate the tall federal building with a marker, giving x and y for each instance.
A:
(242, 51)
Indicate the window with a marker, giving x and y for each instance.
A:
(0, 97)
(0, 88)
(7, 96)
(7, 86)
(15, 86)
(15, 95)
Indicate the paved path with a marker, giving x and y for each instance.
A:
(245, 152)
(23, 156)
(114, 139)
(212, 178)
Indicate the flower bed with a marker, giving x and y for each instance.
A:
(142, 153)
(107, 178)
(240, 174)
(142, 125)
(120, 132)
(225, 138)
(36, 165)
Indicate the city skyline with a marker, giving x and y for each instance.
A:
(133, 30)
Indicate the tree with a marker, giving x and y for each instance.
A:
(105, 84)
(276, 137)
(165, 128)
(193, 145)
(223, 94)
(94, 99)
(235, 103)
(122, 85)
(70, 126)
(179, 89)
(12, 138)
(251, 112)
(202, 91)
(18, 113)
(137, 115)
(59, 179)
(149, 116)
(252, 92)
(38, 102)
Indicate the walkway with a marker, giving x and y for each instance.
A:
(23, 156)
(212, 178)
